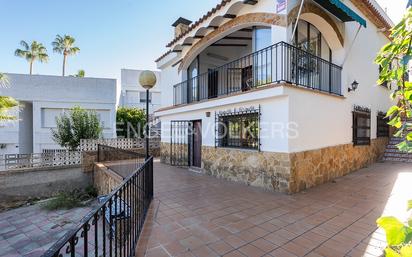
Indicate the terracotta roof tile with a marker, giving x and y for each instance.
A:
(202, 19)
(163, 56)
(365, 6)
(372, 13)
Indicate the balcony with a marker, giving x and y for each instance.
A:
(279, 63)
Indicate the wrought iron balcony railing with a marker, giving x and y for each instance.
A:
(278, 63)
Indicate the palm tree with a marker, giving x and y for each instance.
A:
(65, 45)
(4, 80)
(33, 52)
(6, 103)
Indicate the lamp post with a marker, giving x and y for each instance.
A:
(147, 80)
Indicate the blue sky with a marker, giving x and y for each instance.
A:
(112, 34)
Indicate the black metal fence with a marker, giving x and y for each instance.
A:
(123, 162)
(278, 63)
(181, 137)
(113, 228)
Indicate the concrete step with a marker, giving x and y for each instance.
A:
(393, 154)
(393, 150)
(195, 169)
(390, 159)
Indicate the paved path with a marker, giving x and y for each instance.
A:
(197, 215)
(30, 231)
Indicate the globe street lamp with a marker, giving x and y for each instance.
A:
(147, 80)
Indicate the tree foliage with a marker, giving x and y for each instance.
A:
(76, 125)
(80, 74)
(130, 122)
(394, 58)
(4, 80)
(6, 102)
(398, 235)
(33, 52)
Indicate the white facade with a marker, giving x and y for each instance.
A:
(293, 119)
(134, 95)
(43, 98)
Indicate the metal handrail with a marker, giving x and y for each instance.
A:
(139, 185)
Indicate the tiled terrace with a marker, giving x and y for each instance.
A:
(30, 231)
(197, 215)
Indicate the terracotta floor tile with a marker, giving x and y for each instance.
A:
(175, 248)
(306, 243)
(221, 232)
(296, 249)
(276, 239)
(281, 253)
(191, 242)
(313, 254)
(234, 241)
(324, 250)
(264, 245)
(221, 247)
(258, 231)
(269, 227)
(204, 251)
(251, 251)
(247, 236)
(206, 214)
(157, 252)
(234, 254)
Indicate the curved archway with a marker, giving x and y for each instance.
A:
(240, 22)
(322, 21)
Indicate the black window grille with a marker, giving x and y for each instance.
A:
(361, 126)
(238, 128)
(382, 125)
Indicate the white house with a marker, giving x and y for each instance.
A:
(43, 98)
(134, 95)
(278, 94)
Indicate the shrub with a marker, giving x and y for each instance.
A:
(70, 200)
(130, 122)
(78, 124)
(63, 200)
(91, 191)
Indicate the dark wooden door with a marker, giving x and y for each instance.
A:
(197, 144)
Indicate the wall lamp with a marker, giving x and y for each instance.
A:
(353, 86)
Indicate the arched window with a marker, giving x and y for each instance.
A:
(309, 38)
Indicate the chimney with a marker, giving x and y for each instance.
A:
(181, 26)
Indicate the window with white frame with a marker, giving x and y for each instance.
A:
(143, 97)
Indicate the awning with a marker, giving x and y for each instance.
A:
(341, 11)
